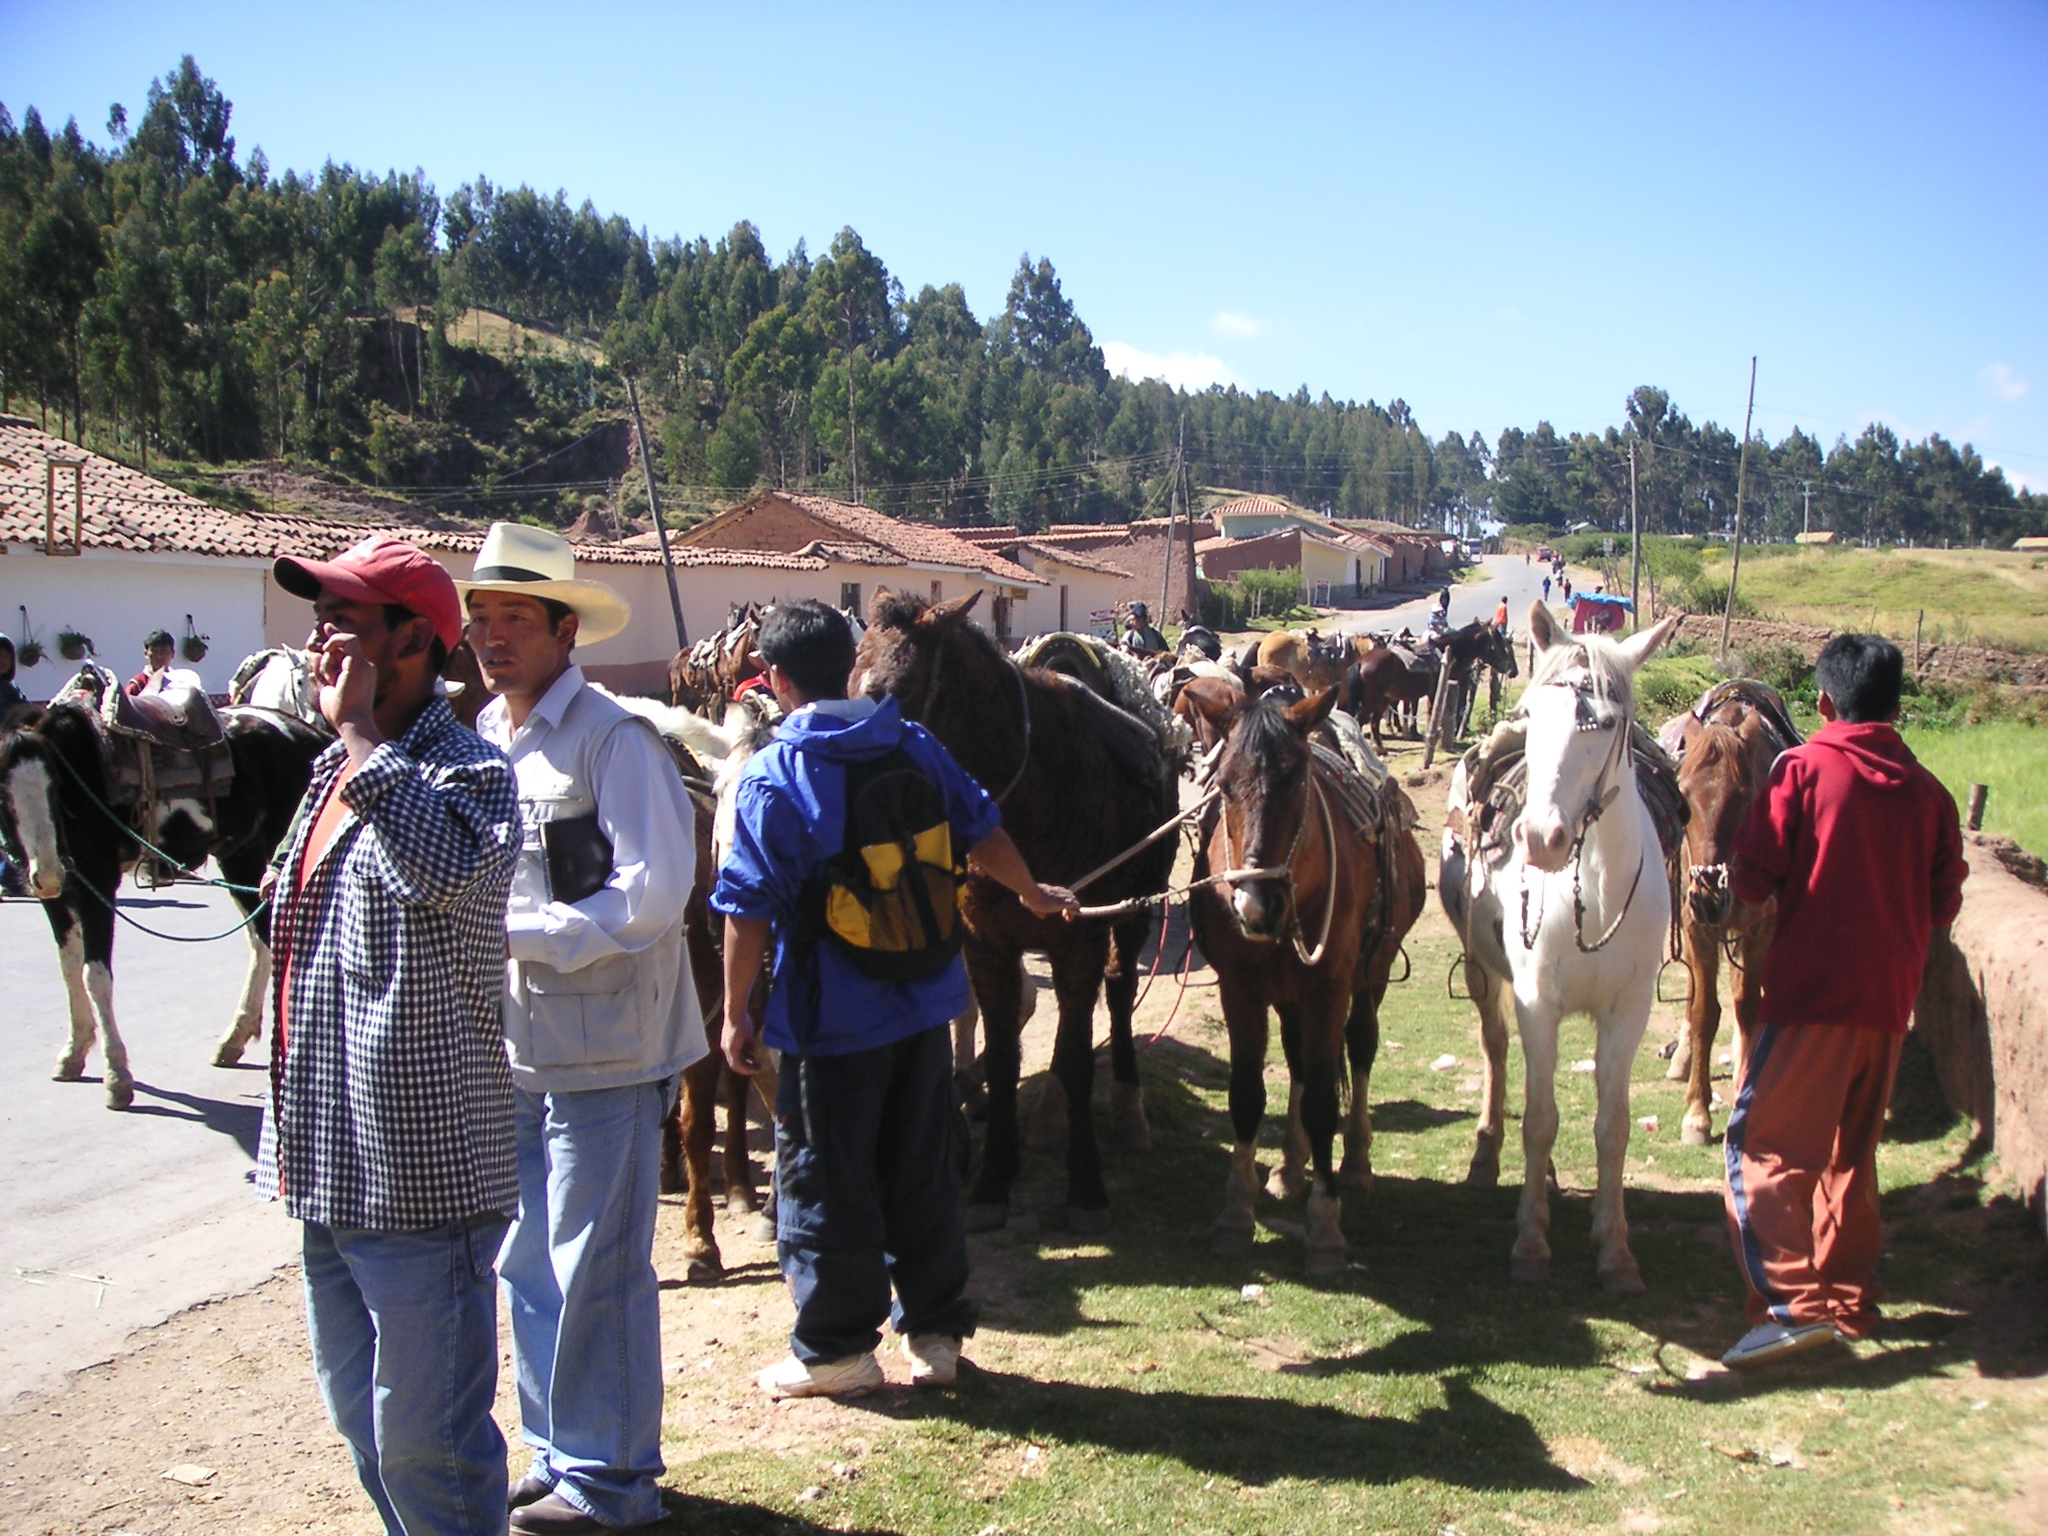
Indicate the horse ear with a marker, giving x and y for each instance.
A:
(1543, 626)
(952, 612)
(1313, 711)
(882, 598)
(1643, 644)
(1217, 711)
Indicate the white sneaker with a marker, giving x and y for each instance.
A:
(934, 1359)
(855, 1376)
(1768, 1342)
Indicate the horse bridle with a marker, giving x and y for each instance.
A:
(1602, 795)
(931, 694)
(1284, 871)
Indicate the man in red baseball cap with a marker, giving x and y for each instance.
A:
(389, 1132)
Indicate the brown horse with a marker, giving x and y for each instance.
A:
(1310, 926)
(1314, 662)
(1076, 789)
(1724, 763)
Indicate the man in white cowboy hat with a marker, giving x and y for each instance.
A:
(601, 1017)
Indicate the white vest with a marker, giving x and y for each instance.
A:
(623, 1019)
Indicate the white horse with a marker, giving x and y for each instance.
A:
(280, 678)
(1566, 912)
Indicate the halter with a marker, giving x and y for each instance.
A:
(1310, 956)
(1602, 795)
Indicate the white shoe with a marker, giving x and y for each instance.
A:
(855, 1376)
(1768, 1342)
(934, 1359)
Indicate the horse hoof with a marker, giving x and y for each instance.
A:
(120, 1092)
(1129, 1125)
(1230, 1242)
(1359, 1179)
(1325, 1260)
(703, 1269)
(227, 1054)
(1083, 1222)
(69, 1070)
(1622, 1279)
(763, 1228)
(741, 1202)
(1484, 1172)
(1284, 1185)
(1524, 1269)
(1696, 1134)
(987, 1218)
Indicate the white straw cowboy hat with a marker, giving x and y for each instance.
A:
(537, 562)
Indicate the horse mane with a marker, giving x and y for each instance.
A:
(1612, 682)
(1263, 729)
(897, 610)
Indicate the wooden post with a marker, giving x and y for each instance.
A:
(1436, 713)
(668, 561)
(1978, 794)
(1918, 622)
(1635, 544)
(1741, 484)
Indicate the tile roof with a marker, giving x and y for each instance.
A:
(1078, 559)
(918, 543)
(1257, 506)
(989, 538)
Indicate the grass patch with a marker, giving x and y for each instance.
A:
(2010, 758)
(1982, 597)
(1138, 1383)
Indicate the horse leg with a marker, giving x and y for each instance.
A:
(64, 926)
(996, 977)
(1620, 1032)
(248, 1020)
(1490, 997)
(1127, 1121)
(1077, 979)
(699, 1110)
(1702, 1023)
(97, 923)
(967, 1077)
(1244, 1013)
(1322, 1059)
(1530, 1262)
(1362, 1041)
(1288, 1180)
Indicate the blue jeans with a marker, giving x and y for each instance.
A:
(405, 1343)
(579, 1278)
(869, 1152)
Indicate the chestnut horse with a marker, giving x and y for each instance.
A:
(1310, 926)
(1725, 752)
(1070, 773)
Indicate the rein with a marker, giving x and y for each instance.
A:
(1309, 957)
(128, 830)
(1602, 795)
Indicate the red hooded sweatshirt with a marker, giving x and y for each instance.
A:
(1861, 847)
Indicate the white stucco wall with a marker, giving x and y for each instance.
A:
(118, 597)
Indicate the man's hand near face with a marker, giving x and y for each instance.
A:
(348, 693)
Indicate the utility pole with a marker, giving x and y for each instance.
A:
(1172, 507)
(1635, 542)
(1741, 483)
(1806, 489)
(852, 429)
(1187, 502)
(668, 561)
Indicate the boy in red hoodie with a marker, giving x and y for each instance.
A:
(1860, 846)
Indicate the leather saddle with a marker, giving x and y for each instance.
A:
(165, 743)
(181, 719)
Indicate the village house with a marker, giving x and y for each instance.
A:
(1263, 533)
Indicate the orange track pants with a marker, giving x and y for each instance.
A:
(1802, 1172)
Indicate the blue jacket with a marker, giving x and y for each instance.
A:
(791, 818)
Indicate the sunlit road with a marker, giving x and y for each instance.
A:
(1506, 575)
(157, 1200)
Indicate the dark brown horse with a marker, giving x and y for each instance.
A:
(1385, 679)
(1310, 927)
(1724, 763)
(1075, 791)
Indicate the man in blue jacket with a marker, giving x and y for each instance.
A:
(869, 1145)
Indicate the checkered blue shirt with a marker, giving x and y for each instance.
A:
(392, 1106)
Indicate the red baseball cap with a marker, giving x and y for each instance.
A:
(381, 570)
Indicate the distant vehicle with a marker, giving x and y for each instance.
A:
(1474, 548)
(1544, 552)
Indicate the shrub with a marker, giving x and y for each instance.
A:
(1709, 594)
(1781, 664)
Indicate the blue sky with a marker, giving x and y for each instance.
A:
(1497, 213)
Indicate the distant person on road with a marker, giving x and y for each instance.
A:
(1500, 616)
(389, 1127)
(157, 674)
(1546, 589)
(600, 1021)
(1859, 845)
(868, 1159)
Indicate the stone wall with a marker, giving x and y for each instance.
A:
(1983, 1010)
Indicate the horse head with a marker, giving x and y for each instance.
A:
(1720, 781)
(1499, 652)
(1263, 773)
(901, 652)
(31, 820)
(1580, 706)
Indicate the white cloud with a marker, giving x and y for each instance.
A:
(1228, 322)
(2003, 382)
(1183, 370)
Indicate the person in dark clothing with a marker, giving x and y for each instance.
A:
(1859, 845)
(1141, 637)
(868, 1139)
(10, 691)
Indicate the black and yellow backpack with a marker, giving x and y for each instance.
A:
(891, 895)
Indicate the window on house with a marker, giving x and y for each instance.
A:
(938, 592)
(849, 596)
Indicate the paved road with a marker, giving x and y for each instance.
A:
(1522, 584)
(156, 1200)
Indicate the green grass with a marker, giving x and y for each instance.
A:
(1983, 597)
(1133, 1385)
(2010, 758)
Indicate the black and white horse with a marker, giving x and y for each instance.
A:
(55, 782)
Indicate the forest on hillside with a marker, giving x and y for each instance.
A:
(162, 298)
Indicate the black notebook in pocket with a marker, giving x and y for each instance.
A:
(579, 857)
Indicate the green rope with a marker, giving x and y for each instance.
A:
(175, 938)
(155, 852)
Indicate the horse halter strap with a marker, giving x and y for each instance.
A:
(1284, 871)
(931, 695)
(1602, 795)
